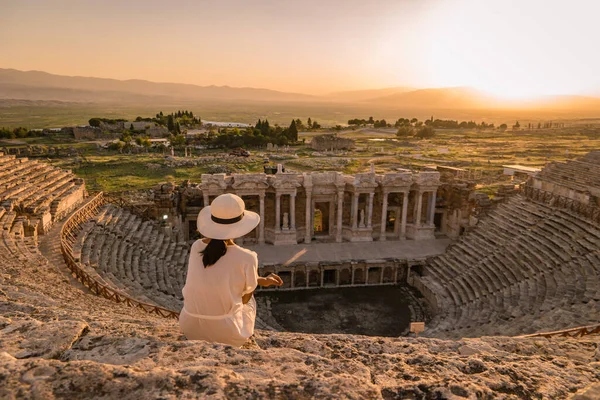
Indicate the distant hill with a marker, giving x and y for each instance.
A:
(37, 85)
(466, 98)
(42, 86)
(367, 94)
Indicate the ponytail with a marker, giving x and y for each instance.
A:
(214, 250)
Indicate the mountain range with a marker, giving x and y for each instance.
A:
(43, 86)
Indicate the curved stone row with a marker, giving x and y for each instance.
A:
(526, 267)
(132, 255)
(580, 174)
(61, 342)
(40, 191)
(14, 244)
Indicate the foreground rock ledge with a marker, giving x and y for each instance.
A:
(35, 363)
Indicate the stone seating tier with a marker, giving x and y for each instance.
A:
(526, 259)
(58, 341)
(39, 190)
(135, 256)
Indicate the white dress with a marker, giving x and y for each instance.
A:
(212, 297)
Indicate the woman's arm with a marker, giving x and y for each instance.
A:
(270, 280)
(246, 298)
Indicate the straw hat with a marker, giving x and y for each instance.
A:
(226, 218)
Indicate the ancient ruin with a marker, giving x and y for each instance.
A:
(328, 206)
(35, 195)
(331, 142)
(89, 306)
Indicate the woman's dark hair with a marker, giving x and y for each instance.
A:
(214, 250)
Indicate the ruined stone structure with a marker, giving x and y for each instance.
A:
(331, 142)
(533, 262)
(89, 132)
(329, 206)
(34, 195)
(111, 131)
(136, 256)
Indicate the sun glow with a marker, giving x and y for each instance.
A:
(513, 48)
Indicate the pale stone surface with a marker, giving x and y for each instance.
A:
(59, 341)
(591, 392)
(31, 338)
(127, 354)
(351, 251)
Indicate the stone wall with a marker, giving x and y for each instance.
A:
(331, 142)
(87, 132)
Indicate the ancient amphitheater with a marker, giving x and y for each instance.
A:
(90, 289)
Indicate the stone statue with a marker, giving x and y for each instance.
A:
(286, 225)
(361, 223)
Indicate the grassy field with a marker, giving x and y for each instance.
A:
(484, 152)
(51, 114)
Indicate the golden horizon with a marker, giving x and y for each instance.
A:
(513, 50)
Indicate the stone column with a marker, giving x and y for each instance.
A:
(337, 277)
(404, 215)
(322, 276)
(419, 208)
(354, 211)
(261, 226)
(277, 213)
(353, 269)
(206, 199)
(383, 216)
(293, 274)
(293, 211)
(431, 215)
(340, 204)
(370, 212)
(308, 233)
(307, 275)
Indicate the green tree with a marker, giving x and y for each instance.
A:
(309, 123)
(315, 125)
(293, 132)
(503, 127)
(20, 132)
(118, 145)
(6, 133)
(126, 137)
(177, 140)
(131, 127)
(425, 132)
(95, 122)
(170, 123)
(144, 142)
(405, 131)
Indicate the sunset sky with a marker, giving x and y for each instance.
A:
(508, 47)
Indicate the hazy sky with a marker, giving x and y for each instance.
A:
(509, 47)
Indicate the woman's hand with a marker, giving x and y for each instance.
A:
(270, 280)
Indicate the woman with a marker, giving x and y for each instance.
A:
(217, 297)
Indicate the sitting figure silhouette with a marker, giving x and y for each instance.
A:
(218, 302)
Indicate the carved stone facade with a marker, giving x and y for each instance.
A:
(319, 206)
